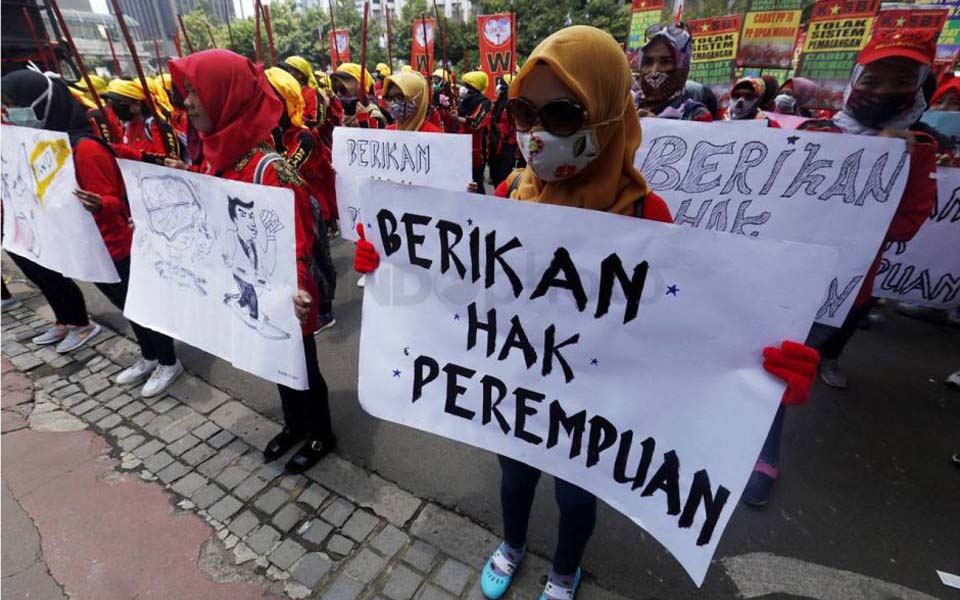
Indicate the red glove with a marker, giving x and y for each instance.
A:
(365, 257)
(797, 365)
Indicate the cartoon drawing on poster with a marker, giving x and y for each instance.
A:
(627, 363)
(823, 188)
(222, 254)
(39, 205)
(343, 40)
(497, 30)
(425, 25)
(926, 270)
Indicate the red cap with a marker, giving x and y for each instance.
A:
(916, 44)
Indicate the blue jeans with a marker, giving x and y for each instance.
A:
(578, 513)
(770, 453)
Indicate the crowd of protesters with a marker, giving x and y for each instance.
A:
(218, 113)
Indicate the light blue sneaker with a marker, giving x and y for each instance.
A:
(498, 574)
(556, 592)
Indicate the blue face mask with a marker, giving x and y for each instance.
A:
(26, 116)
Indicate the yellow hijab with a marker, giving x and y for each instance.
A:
(159, 94)
(414, 87)
(290, 90)
(592, 64)
(303, 65)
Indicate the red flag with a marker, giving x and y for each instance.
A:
(421, 53)
(340, 46)
(497, 55)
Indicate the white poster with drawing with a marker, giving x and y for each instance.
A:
(821, 188)
(434, 160)
(926, 270)
(214, 265)
(42, 218)
(619, 354)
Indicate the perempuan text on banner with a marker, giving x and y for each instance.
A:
(820, 188)
(619, 354)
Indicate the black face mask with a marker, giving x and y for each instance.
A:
(123, 112)
(874, 110)
(349, 106)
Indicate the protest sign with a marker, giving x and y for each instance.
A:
(788, 121)
(940, 17)
(715, 42)
(822, 188)
(42, 219)
(339, 47)
(946, 122)
(412, 157)
(769, 34)
(619, 354)
(837, 31)
(497, 47)
(643, 14)
(421, 51)
(926, 270)
(214, 265)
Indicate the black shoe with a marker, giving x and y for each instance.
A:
(309, 454)
(279, 445)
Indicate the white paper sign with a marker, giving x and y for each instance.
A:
(822, 188)
(42, 219)
(926, 270)
(214, 265)
(441, 161)
(619, 354)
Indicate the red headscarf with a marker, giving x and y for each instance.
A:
(235, 95)
(952, 84)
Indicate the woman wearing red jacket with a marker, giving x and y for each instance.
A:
(554, 121)
(232, 106)
(407, 97)
(472, 116)
(102, 192)
(884, 98)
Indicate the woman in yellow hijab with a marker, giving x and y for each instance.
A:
(408, 98)
(302, 70)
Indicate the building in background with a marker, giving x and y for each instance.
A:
(222, 10)
(87, 29)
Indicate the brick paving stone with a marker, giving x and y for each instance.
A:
(189, 484)
(311, 568)
(198, 454)
(244, 523)
(215, 465)
(164, 404)
(453, 576)
(173, 472)
(271, 470)
(221, 439)
(225, 508)
(231, 477)
(206, 430)
(120, 432)
(148, 449)
(288, 517)
(421, 556)
(339, 545)
(389, 540)
(119, 402)
(237, 448)
(293, 482)
(109, 394)
(343, 588)
(60, 362)
(385, 499)
(84, 407)
(365, 566)
(317, 532)
(313, 496)
(74, 399)
(402, 583)
(197, 394)
(110, 371)
(250, 488)
(129, 443)
(111, 420)
(271, 500)
(287, 553)
(178, 411)
(26, 362)
(338, 512)
(207, 495)
(432, 592)
(182, 445)
(95, 415)
(172, 433)
(66, 391)
(359, 525)
(131, 409)
(263, 539)
(157, 424)
(158, 461)
(94, 384)
(143, 418)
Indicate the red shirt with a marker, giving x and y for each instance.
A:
(425, 127)
(310, 106)
(98, 172)
(313, 161)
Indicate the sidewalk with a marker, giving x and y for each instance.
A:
(108, 495)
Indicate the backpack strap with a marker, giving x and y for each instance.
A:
(638, 207)
(266, 160)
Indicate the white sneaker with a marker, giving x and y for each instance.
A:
(77, 337)
(160, 380)
(953, 381)
(137, 373)
(51, 336)
(362, 281)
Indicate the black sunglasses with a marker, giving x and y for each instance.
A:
(562, 117)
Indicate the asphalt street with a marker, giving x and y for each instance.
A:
(867, 485)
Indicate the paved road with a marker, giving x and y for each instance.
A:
(867, 489)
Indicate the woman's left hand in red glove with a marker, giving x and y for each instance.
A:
(797, 365)
(366, 259)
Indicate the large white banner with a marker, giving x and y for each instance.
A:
(214, 265)
(619, 354)
(42, 218)
(822, 188)
(926, 270)
(441, 161)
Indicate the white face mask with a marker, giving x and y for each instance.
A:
(27, 116)
(554, 158)
(786, 104)
(464, 90)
